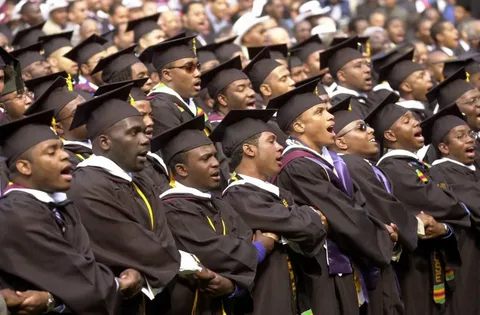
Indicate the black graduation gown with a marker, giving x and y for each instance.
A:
(157, 174)
(231, 255)
(77, 153)
(36, 255)
(466, 185)
(364, 105)
(3, 175)
(108, 205)
(415, 268)
(385, 297)
(350, 227)
(477, 155)
(265, 211)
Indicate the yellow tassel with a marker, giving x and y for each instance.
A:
(54, 125)
(172, 180)
(194, 46)
(316, 91)
(350, 107)
(367, 48)
(69, 82)
(467, 76)
(132, 101)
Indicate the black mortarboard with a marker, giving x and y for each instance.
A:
(136, 92)
(380, 59)
(260, 67)
(437, 126)
(108, 36)
(226, 49)
(146, 58)
(320, 89)
(344, 114)
(12, 73)
(308, 47)
(116, 62)
(216, 79)
(20, 135)
(28, 36)
(51, 43)
(104, 111)
(384, 115)
(5, 30)
(293, 59)
(55, 97)
(364, 44)
(182, 138)
(38, 85)
(206, 53)
(335, 57)
(172, 50)
(143, 26)
(6, 59)
(399, 69)
(28, 55)
(279, 51)
(451, 66)
(292, 104)
(86, 49)
(240, 125)
(450, 89)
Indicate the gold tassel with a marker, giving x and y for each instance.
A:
(194, 46)
(316, 91)
(54, 125)
(350, 107)
(367, 48)
(467, 76)
(69, 82)
(132, 101)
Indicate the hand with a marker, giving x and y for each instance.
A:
(323, 218)
(426, 219)
(435, 230)
(35, 302)
(266, 241)
(220, 286)
(131, 282)
(203, 277)
(393, 232)
(272, 235)
(11, 298)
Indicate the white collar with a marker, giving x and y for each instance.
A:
(331, 88)
(182, 189)
(83, 80)
(398, 152)
(162, 88)
(87, 144)
(411, 104)
(445, 159)
(106, 164)
(383, 86)
(343, 90)
(464, 45)
(448, 51)
(256, 182)
(325, 155)
(41, 195)
(159, 160)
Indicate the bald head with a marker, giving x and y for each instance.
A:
(88, 28)
(435, 64)
(278, 35)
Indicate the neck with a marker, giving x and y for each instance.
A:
(29, 184)
(396, 146)
(223, 110)
(111, 158)
(188, 183)
(348, 86)
(311, 144)
(266, 99)
(250, 170)
(407, 96)
(172, 86)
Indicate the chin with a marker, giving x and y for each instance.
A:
(61, 186)
(213, 186)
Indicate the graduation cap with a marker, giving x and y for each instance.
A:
(216, 79)
(453, 65)
(385, 114)
(206, 53)
(381, 59)
(40, 84)
(293, 59)
(28, 55)
(52, 43)
(308, 47)
(292, 104)
(6, 59)
(146, 58)
(279, 51)
(12, 72)
(399, 69)
(240, 125)
(320, 89)
(55, 97)
(108, 36)
(104, 111)
(344, 114)
(260, 67)
(339, 55)
(136, 93)
(172, 50)
(437, 126)
(116, 62)
(226, 48)
(86, 49)
(28, 36)
(182, 138)
(20, 135)
(143, 26)
(450, 89)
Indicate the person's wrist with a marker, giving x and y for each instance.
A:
(50, 303)
(445, 229)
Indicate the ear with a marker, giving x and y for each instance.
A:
(443, 148)
(52, 61)
(341, 144)
(222, 100)
(248, 150)
(181, 170)
(70, 16)
(298, 127)
(341, 76)
(24, 167)
(166, 75)
(142, 43)
(26, 75)
(389, 135)
(406, 87)
(265, 90)
(59, 129)
(104, 142)
(84, 69)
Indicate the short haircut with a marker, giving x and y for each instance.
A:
(178, 158)
(113, 8)
(123, 75)
(237, 154)
(437, 28)
(391, 20)
(420, 22)
(352, 25)
(186, 7)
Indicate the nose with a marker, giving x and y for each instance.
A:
(279, 147)
(148, 121)
(290, 82)
(197, 73)
(64, 155)
(251, 93)
(144, 141)
(214, 162)
(370, 130)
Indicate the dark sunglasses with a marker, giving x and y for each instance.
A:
(189, 67)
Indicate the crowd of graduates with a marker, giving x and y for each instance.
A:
(234, 167)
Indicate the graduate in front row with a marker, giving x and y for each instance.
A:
(426, 287)
(44, 243)
(248, 140)
(207, 226)
(452, 137)
(319, 178)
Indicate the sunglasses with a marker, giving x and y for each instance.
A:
(189, 67)
(363, 126)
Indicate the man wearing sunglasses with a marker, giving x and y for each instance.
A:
(172, 99)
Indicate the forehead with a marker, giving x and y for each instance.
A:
(238, 83)
(461, 128)
(202, 150)
(354, 61)
(184, 61)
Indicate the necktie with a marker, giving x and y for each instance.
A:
(381, 177)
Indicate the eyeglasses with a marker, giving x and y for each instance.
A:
(189, 67)
(21, 96)
(363, 126)
(464, 136)
(472, 101)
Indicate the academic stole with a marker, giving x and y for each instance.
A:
(291, 273)
(442, 274)
(224, 232)
(199, 113)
